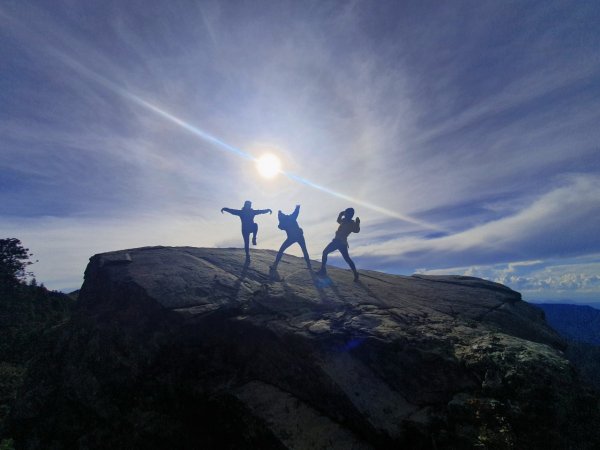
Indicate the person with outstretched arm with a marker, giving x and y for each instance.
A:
(340, 241)
(249, 227)
(289, 223)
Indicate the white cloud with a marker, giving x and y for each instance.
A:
(579, 279)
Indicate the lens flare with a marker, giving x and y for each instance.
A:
(270, 167)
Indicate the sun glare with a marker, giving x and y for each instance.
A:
(268, 165)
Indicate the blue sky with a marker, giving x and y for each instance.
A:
(466, 132)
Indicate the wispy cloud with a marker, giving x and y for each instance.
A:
(479, 118)
(562, 222)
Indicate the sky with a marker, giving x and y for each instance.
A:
(465, 134)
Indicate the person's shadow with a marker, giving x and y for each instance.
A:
(238, 283)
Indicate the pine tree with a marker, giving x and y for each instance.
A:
(14, 260)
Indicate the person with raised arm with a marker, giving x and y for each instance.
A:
(340, 241)
(249, 227)
(289, 223)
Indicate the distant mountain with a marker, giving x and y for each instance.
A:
(580, 323)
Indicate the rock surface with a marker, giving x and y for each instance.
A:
(190, 348)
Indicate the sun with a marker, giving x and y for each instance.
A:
(268, 165)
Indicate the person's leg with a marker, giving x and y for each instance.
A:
(346, 255)
(302, 244)
(254, 233)
(246, 236)
(332, 246)
(283, 247)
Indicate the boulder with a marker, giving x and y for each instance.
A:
(192, 348)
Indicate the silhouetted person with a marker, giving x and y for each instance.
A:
(246, 215)
(289, 223)
(340, 241)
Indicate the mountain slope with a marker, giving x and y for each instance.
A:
(580, 326)
(577, 322)
(190, 348)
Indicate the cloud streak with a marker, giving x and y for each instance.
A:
(561, 223)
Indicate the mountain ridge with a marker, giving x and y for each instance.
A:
(186, 347)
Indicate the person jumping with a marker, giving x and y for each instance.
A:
(249, 227)
(340, 241)
(289, 223)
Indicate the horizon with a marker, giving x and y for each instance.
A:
(341, 264)
(464, 135)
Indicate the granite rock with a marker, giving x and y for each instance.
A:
(191, 348)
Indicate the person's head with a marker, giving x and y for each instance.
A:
(349, 213)
(247, 204)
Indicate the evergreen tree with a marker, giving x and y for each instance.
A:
(14, 260)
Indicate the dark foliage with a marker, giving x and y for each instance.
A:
(586, 357)
(27, 313)
(14, 260)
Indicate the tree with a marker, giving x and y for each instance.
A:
(14, 260)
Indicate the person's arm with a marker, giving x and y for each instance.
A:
(235, 212)
(262, 211)
(296, 212)
(340, 215)
(357, 225)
